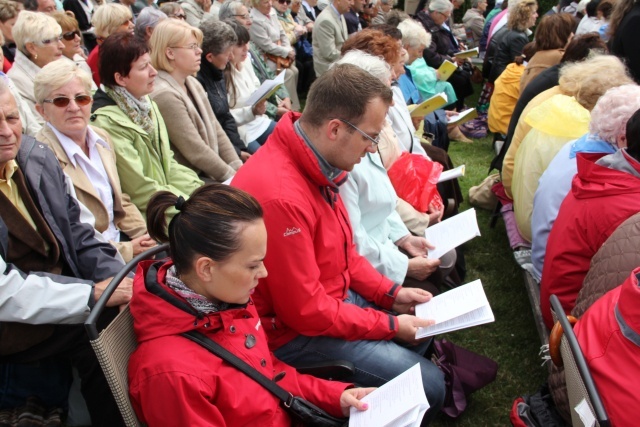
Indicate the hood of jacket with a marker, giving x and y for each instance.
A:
(286, 137)
(159, 311)
(101, 99)
(561, 116)
(593, 180)
(512, 74)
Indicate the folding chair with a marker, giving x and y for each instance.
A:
(116, 342)
(580, 384)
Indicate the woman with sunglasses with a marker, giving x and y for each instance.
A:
(63, 96)
(110, 18)
(72, 40)
(124, 110)
(198, 140)
(37, 38)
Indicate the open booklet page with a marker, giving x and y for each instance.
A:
(462, 117)
(452, 232)
(430, 105)
(399, 403)
(266, 89)
(459, 308)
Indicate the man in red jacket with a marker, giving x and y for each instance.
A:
(321, 299)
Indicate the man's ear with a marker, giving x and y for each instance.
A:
(209, 57)
(331, 129)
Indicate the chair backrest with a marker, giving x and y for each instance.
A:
(580, 385)
(115, 343)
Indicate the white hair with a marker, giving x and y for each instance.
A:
(374, 65)
(414, 34)
(441, 6)
(612, 112)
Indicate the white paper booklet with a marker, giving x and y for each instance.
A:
(452, 173)
(399, 403)
(266, 89)
(459, 308)
(452, 232)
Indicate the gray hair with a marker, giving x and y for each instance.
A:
(414, 34)
(374, 65)
(474, 3)
(228, 9)
(442, 6)
(148, 18)
(32, 27)
(218, 36)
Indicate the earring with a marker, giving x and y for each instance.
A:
(35, 56)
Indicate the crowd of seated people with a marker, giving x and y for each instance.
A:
(119, 123)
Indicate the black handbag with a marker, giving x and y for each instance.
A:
(301, 411)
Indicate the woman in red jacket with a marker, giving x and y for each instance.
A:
(217, 243)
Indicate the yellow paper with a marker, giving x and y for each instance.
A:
(471, 53)
(430, 105)
(446, 69)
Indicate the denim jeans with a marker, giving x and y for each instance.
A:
(376, 362)
(253, 146)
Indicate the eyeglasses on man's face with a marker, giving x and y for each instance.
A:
(243, 16)
(179, 16)
(288, 2)
(374, 140)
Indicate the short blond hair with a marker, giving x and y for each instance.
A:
(33, 27)
(56, 74)
(588, 80)
(9, 9)
(169, 33)
(109, 17)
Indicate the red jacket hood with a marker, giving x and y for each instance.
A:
(305, 159)
(593, 180)
(159, 311)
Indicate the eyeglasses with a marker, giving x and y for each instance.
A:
(70, 35)
(128, 21)
(284, 1)
(63, 101)
(179, 16)
(373, 140)
(446, 16)
(193, 46)
(51, 40)
(245, 16)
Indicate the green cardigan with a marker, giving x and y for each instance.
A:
(145, 166)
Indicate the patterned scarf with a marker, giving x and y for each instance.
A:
(138, 110)
(197, 301)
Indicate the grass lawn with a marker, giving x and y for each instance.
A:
(511, 340)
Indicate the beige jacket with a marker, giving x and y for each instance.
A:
(126, 216)
(196, 137)
(329, 34)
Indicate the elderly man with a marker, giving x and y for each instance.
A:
(329, 34)
(53, 268)
(322, 300)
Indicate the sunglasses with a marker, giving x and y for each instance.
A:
(70, 35)
(63, 101)
(284, 1)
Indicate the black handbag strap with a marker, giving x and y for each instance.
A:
(241, 365)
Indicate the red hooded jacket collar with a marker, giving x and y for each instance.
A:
(302, 155)
(593, 180)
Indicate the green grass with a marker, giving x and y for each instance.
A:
(512, 339)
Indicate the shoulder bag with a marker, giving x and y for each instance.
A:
(301, 411)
